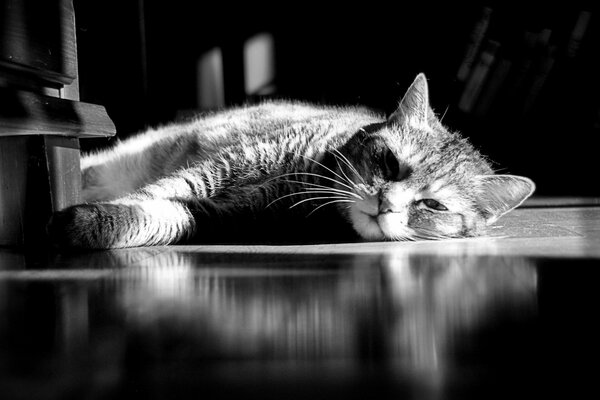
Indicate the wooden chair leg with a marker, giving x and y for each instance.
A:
(38, 175)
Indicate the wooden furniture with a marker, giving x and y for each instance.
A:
(41, 117)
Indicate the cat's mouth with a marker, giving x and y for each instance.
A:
(373, 225)
(366, 223)
(374, 221)
(394, 226)
(390, 226)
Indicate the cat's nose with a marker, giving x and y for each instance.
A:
(396, 198)
(390, 213)
(385, 205)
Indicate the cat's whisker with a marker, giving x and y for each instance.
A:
(329, 202)
(444, 114)
(337, 161)
(427, 234)
(321, 198)
(310, 174)
(338, 155)
(402, 237)
(328, 169)
(317, 186)
(339, 191)
(424, 237)
(305, 193)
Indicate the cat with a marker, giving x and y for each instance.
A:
(349, 170)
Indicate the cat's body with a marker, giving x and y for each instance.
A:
(239, 145)
(398, 178)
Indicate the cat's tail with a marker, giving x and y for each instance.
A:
(121, 224)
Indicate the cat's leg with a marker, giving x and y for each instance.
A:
(121, 224)
(156, 214)
(164, 212)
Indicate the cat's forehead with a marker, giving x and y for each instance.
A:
(435, 152)
(411, 139)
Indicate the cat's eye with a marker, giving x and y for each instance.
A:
(434, 205)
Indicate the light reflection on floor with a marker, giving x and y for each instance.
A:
(399, 313)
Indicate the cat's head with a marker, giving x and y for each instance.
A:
(417, 180)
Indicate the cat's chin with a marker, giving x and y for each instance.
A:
(379, 227)
(393, 226)
(390, 226)
(366, 225)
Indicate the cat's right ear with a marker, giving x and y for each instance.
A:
(414, 109)
(499, 194)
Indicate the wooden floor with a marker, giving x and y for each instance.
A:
(510, 315)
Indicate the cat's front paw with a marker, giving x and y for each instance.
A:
(73, 227)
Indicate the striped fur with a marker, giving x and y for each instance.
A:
(375, 176)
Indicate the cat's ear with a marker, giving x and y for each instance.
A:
(499, 194)
(414, 107)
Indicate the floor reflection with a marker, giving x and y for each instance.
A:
(218, 319)
(409, 306)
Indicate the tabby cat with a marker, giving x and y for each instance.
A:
(336, 169)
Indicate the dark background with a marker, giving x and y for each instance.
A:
(529, 99)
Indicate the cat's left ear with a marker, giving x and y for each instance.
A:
(414, 108)
(499, 194)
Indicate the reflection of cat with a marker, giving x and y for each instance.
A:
(441, 298)
(411, 308)
(401, 178)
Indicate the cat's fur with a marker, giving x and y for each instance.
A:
(405, 177)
